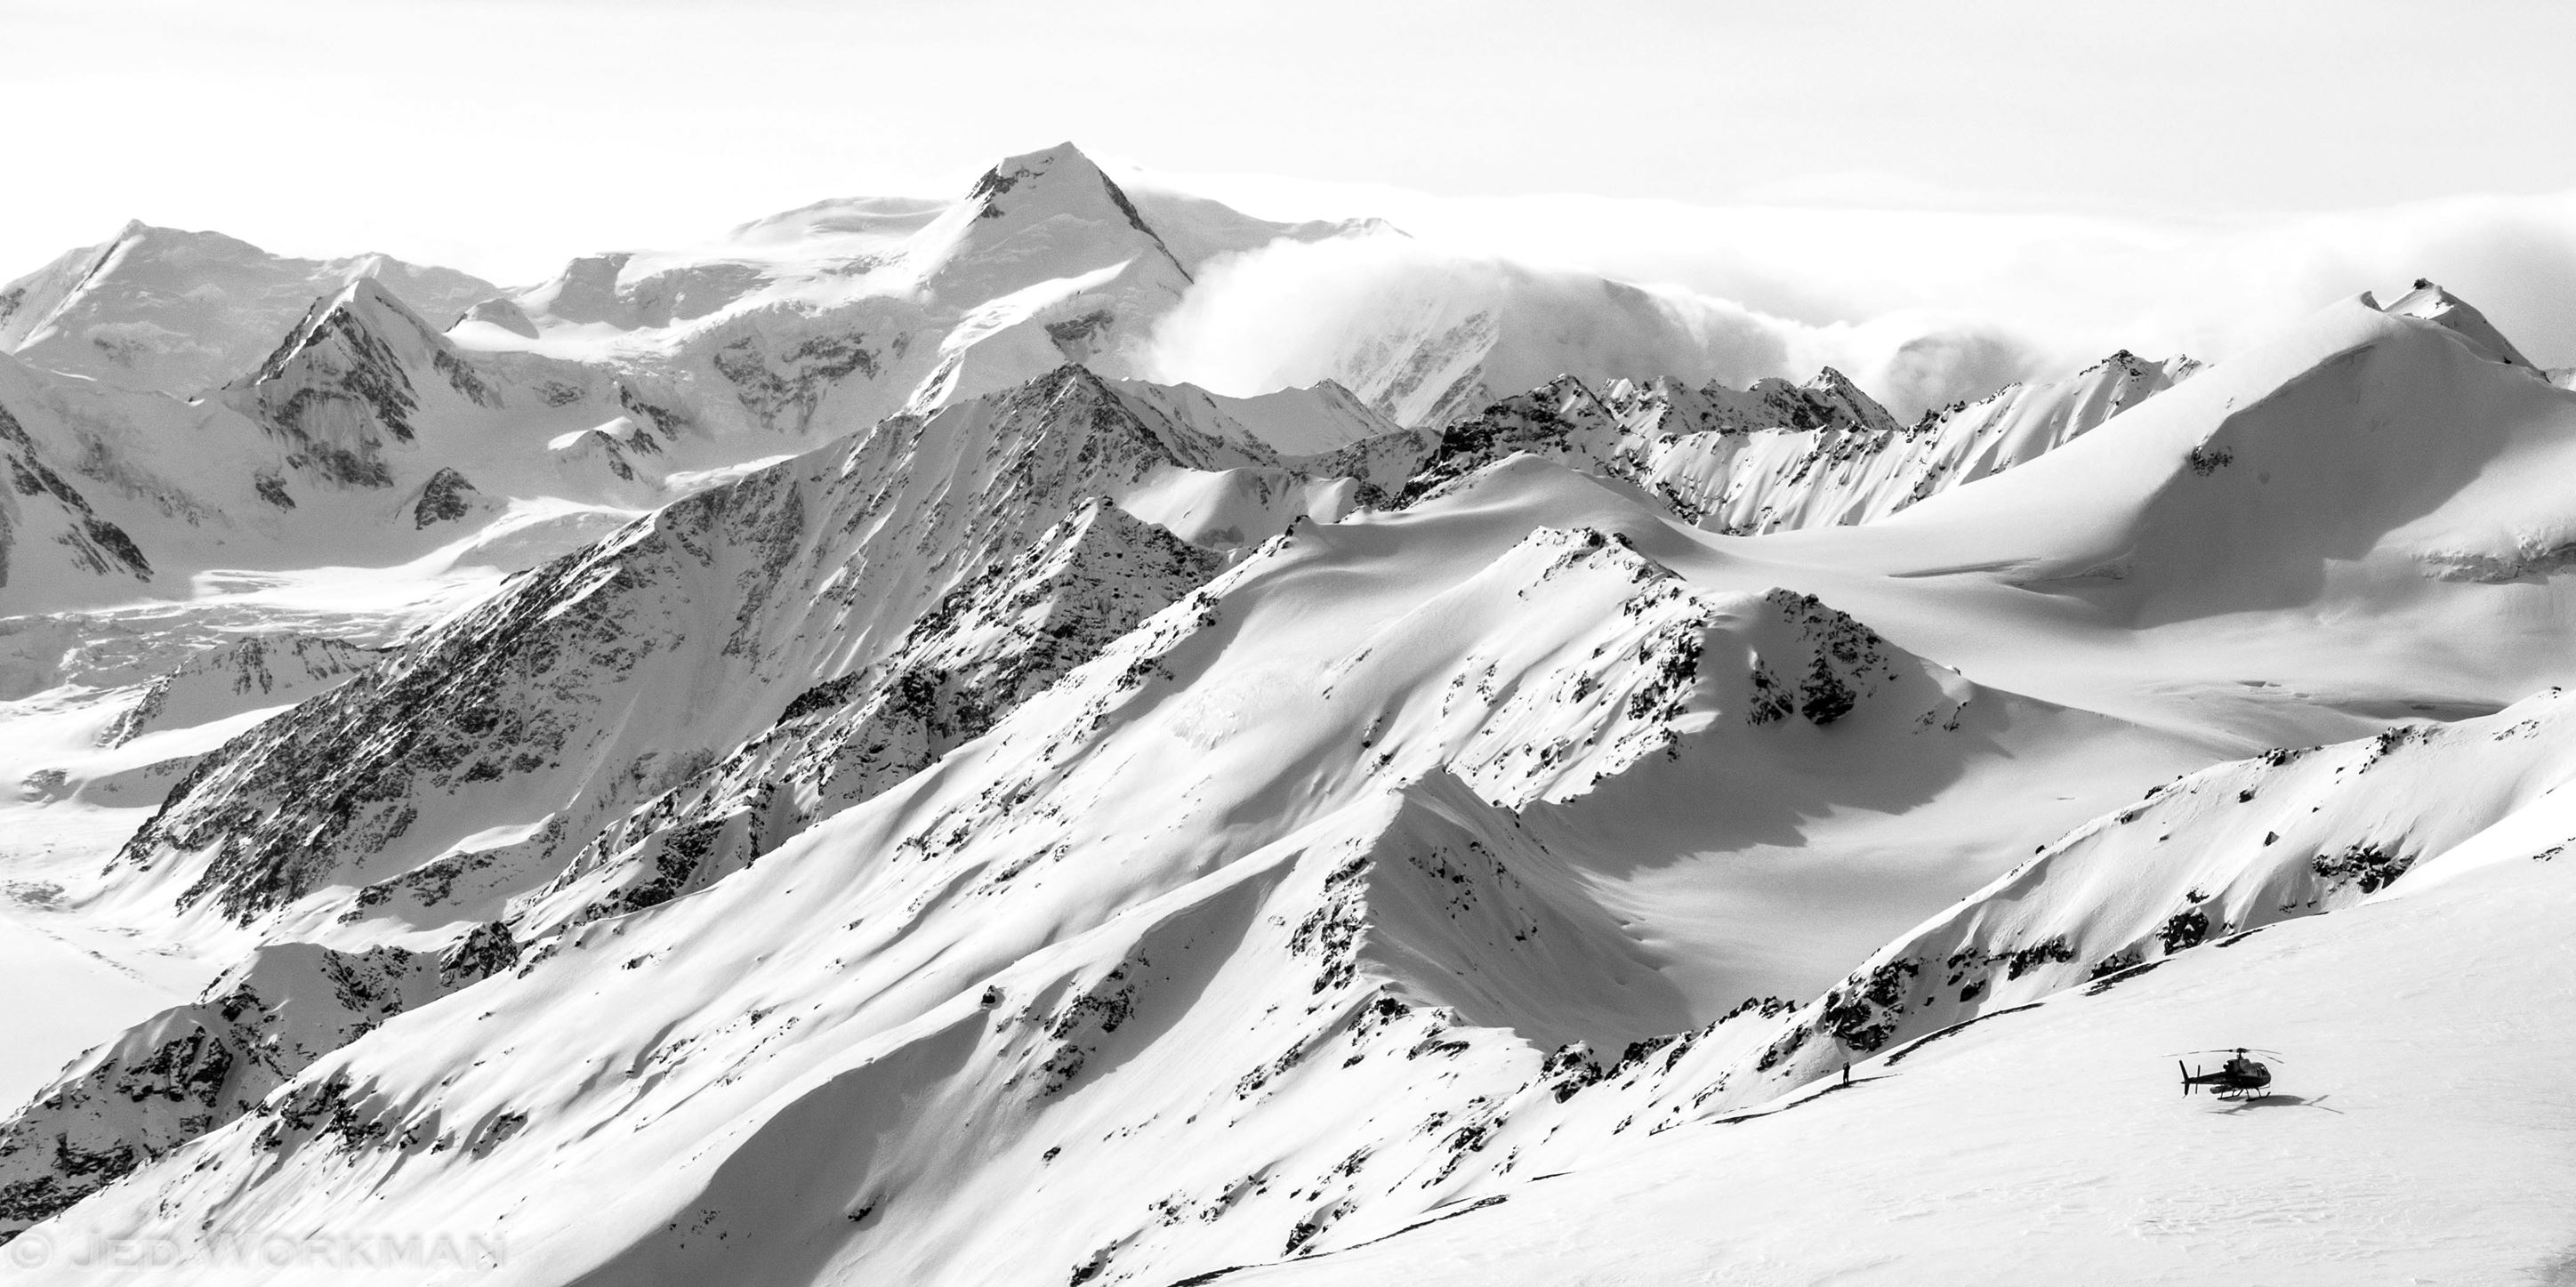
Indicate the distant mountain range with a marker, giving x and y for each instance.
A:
(799, 762)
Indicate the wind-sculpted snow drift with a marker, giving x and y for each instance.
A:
(913, 782)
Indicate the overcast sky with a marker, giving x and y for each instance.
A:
(505, 137)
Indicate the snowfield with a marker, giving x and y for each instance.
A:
(799, 760)
(2421, 1132)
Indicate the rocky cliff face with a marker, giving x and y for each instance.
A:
(1842, 467)
(621, 673)
(1779, 456)
(274, 668)
(364, 438)
(340, 389)
(181, 312)
(986, 647)
(1314, 910)
(2200, 862)
(48, 529)
(194, 1067)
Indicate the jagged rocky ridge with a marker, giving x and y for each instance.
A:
(811, 325)
(969, 659)
(983, 649)
(2200, 862)
(1387, 911)
(1366, 872)
(972, 657)
(612, 676)
(41, 505)
(180, 312)
(272, 668)
(2203, 861)
(849, 310)
(364, 438)
(194, 1067)
(1781, 456)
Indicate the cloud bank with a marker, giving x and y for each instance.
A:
(1919, 307)
(1389, 314)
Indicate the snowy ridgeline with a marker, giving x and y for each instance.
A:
(176, 402)
(915, 779)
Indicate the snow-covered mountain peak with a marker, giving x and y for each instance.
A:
(828, 318)
(2434, 304)
(1679, 442)
(1844, 401)
(342, 389)
(1044, 216)
(924, 778)
(816, 581)
(2356, 446)
(362, 313)
(1048, 182)
(1826, 401)
(176, 311)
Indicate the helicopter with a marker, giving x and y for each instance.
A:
(2241, 1077)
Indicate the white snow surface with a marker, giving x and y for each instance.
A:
(792, 761)
(180, 312)
(2420, 1133)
